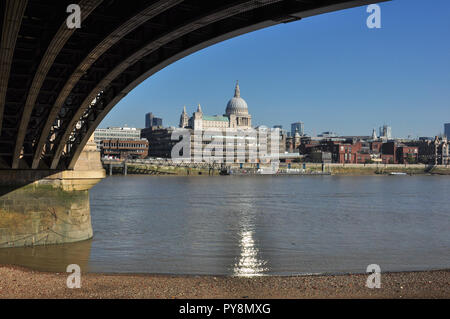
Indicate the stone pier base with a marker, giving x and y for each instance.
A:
(42, 215)
(43, 207)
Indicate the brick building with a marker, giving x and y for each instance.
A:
(352, 151)
(407, 154)
(433, 152)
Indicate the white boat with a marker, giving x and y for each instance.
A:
(397, 173)
(266, 171)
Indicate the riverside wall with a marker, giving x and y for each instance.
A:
(334, 169)
(372, 169)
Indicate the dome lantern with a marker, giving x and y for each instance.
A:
(237, 105)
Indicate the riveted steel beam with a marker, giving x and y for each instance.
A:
(12, 19)
(115, 36)
(58, 42)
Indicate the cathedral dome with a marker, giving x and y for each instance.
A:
(237, 105)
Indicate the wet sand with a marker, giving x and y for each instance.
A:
(17, 282)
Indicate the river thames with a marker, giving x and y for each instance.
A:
(258, 225)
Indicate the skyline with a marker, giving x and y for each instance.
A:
(330, 72)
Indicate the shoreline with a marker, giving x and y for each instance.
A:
(283, 174)
(19, 282)
(310, 169)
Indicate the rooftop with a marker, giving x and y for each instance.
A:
(215, 118)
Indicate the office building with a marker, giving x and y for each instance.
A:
(124, 149)
(297, 127)
(152, 121)
(116, 133)
(447, 131)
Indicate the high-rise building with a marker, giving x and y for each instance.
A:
(447, 130)
(386, 132)
(157, 122)
(298, 127)
(148, 120)
(153, 121)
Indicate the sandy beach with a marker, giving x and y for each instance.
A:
(18, 282)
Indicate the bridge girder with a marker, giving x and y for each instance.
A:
(57, 84)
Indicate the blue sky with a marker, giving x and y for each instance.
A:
(329, 71)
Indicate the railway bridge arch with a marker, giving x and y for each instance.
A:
(58, 83)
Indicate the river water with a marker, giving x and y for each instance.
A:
(258, 225)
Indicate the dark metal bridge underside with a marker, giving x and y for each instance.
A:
(57, 84)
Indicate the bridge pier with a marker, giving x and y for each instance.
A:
(42, 207)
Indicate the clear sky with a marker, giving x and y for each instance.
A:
(329, 71)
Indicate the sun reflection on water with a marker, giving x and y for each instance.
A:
(249, 264)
